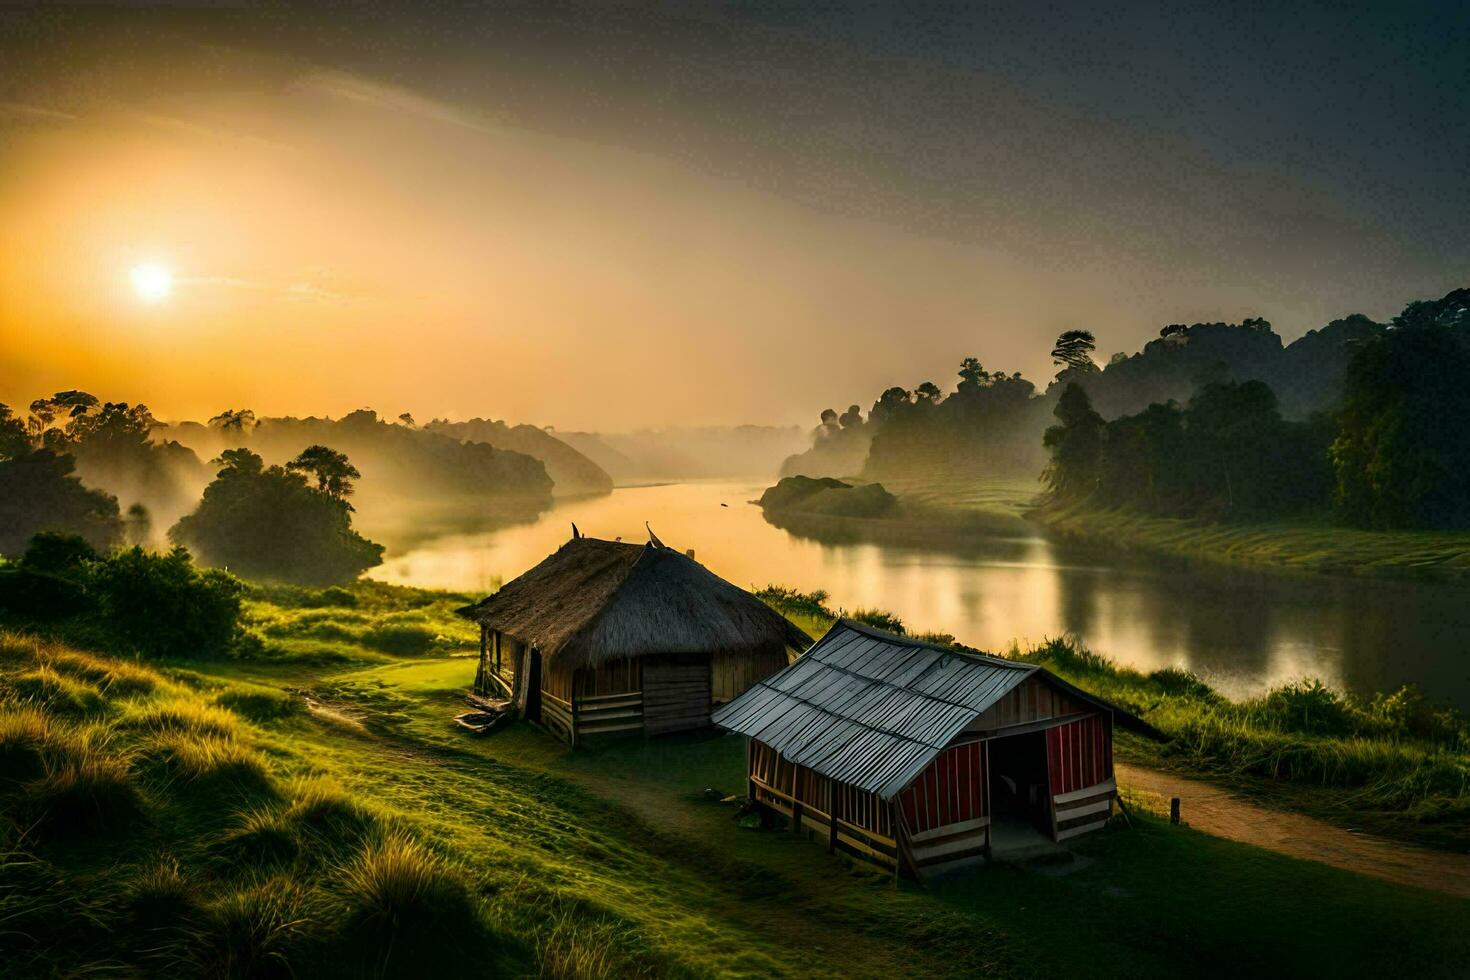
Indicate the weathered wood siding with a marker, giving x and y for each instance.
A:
(946, 811)
(848, 819)
(1033, 700)
(1079, 762)
(499, 659)
(732, 674)
(676, 693)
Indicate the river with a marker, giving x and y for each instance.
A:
(1242, 631)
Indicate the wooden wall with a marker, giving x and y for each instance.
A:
(676, 693)
(1032, 700)
(846, 818)
(732, 674)
(1079, 762)
(946, 811)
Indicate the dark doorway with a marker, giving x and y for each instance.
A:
(1019, 789)
(533, 685)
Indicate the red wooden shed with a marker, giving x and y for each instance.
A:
(912, 755)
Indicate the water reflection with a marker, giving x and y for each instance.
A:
(1241, 630)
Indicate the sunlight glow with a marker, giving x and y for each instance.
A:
(152, 282)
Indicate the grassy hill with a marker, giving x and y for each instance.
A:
(311, 812)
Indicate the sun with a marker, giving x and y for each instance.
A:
(151, 281)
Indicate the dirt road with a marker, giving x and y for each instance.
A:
(1221, 813)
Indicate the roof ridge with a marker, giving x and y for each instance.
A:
(913, 641)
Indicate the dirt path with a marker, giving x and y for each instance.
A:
(1221, 813)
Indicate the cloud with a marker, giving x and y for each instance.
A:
(301, 290)
(26, 109)
(190, 128)
(391, 98)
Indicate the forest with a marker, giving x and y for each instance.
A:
(1367, 423)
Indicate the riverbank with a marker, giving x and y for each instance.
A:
(1395, 764)
(901, 513)
(1302, 546)
(291, 816)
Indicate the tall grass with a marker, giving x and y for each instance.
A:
(1396, 753)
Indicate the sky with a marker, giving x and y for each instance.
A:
(610, 216)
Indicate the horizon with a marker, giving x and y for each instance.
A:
(569, 203)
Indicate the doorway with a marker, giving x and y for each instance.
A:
(1020, 792)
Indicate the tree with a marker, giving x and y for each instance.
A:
(15, 440)
(407, 419)
(268, 522)
(334, 474)
(972, 372)
(1403, 440)
(928, 393)
(852, 418)
(138, 525)
(1073, 351)
(1076, 445)
(234, 421)
(39, 493)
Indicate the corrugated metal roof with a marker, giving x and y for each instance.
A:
(870, 708)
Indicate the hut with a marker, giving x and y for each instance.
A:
(607, 636)
(912, 756)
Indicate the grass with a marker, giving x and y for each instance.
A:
(1304, 545)
(1394, 763)
(265, 839)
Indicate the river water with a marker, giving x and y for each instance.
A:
(1241, 630)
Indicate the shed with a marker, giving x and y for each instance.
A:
(606, 636)
(912, 755)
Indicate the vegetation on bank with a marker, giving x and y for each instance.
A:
(1302, 545)
(1396, 762)
(208, 819)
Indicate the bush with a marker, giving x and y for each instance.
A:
(57, 692)
(1307, 706)
(162, 606)
(259, 932)
(878, 619)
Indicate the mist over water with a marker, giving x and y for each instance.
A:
(1242, 631)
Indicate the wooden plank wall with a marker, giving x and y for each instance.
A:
(946, 811)
(732, 674)
(1032, 700)
(1079, 761)
(676, 693)
(851, 820)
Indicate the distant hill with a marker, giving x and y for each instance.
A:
(572, 472)
(689, 453)
(398, 463)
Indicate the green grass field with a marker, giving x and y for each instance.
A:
(311, 811)
(1301, 546)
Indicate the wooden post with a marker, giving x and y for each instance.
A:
(795, 815)
(1174, 810)
(574, 709)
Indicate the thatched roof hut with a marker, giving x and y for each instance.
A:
(607, 636)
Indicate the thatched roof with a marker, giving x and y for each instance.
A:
(593, 601)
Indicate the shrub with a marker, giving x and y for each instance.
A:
(788, 600)
(1307, 706)
(162, 606)
(401, 638)
(878, 619)
(327, 814)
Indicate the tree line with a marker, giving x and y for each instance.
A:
(1391, 453)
